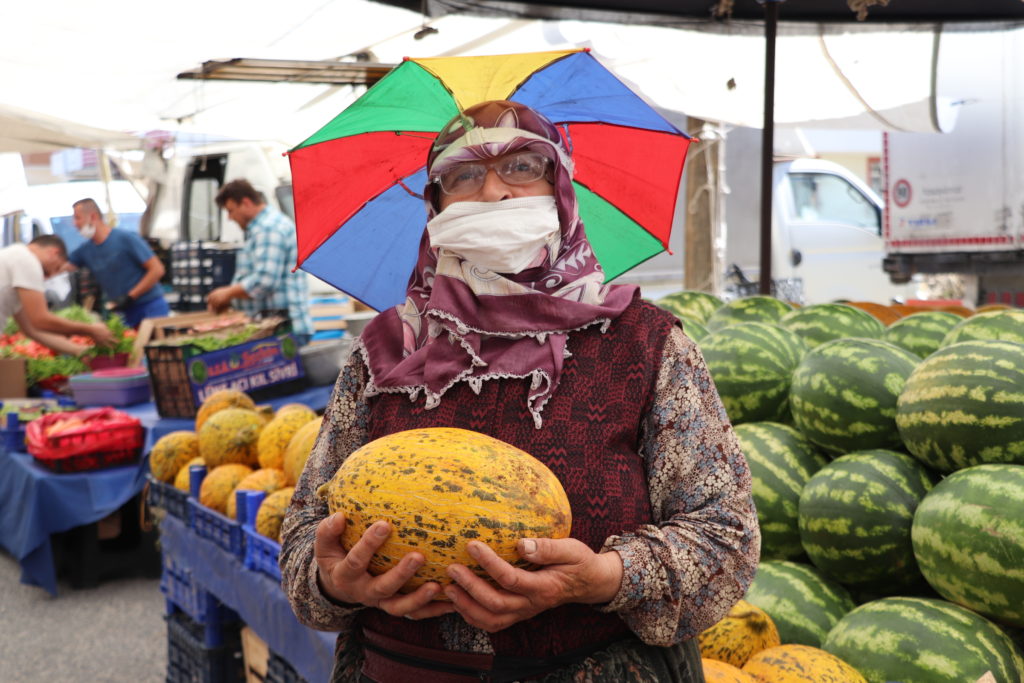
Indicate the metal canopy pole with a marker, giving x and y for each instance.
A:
(771, 14)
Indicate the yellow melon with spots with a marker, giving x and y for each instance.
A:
(441, 488)
(800, 664)
(299, 448)
(278, 433)
(181, 479)
(219, 483)
(720, 672)
(218, 401)
(170, 452)
(231, 436)
(271, 513)
(265, 479)
(745, 630)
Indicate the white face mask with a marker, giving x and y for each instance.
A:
(504, 236)
(87, 231)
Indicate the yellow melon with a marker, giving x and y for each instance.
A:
(800, 664)
(266, 411)
(231, 435)
(746, 629)
(720, 672)
(299, 448)
(441, 487)
(219, 483)
(219, 400)
(271, 513)
(267, 479)
(181, 479)
(275, 437)
(293, 406)
(170, 452)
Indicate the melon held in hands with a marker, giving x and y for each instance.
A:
(441, 488)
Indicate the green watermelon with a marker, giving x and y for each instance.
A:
(752, 364)
(762, 309)
(1005, 325)
(691, 303)
(781, 461)
(964, 405)
(693, 329)
(855, 518)
(968, 537)
(923, 640)
(803, 603)
(921, 333)
(843, 394)
(819, 323)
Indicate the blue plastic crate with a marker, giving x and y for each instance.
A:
(260, 552)
(280, 671)
(210, 524)
(166, 497)
(190, 661)
(186, 595)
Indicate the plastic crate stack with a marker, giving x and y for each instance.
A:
(197, 268)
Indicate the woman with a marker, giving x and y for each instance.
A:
(508, 329)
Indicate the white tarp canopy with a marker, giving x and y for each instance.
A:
(27, 131)
(116, 69)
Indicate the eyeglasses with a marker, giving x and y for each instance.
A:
(516, 169)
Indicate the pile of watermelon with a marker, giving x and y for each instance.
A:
(886, 447)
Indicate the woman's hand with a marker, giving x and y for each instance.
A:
(343, 576)
(570, 572)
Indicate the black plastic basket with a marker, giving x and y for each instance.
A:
(280, 671)
(190, 661)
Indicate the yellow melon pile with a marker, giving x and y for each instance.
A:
(744, 647)
(244, 447)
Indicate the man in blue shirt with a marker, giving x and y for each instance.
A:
(264, 279)
(123, 264)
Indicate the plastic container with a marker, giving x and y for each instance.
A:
(280, 671)
(189, 660)
(12, 435)
(225, 532)
(118, 360)
(102, 437)
(164, 496)
(111, 387)
(260, 552)
(323, 361)
(355, 322)
(184, 594)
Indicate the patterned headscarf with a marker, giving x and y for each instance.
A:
(461, 322)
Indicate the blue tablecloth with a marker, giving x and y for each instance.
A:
(35, 502)
(258, 599)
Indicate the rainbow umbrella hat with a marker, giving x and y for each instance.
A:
(357, 181)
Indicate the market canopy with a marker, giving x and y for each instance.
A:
(26, 131)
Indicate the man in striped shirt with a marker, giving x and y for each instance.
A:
(263, 279)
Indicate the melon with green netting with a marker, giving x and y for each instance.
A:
(781, 460)
(752, 365)
(844, 392)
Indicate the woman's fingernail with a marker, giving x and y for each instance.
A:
(473, 550)
(529, 546)
(380, 529)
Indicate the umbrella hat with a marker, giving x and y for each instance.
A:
(357, 181)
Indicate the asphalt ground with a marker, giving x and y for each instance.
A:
(113, 632)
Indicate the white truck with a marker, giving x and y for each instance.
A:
(826, 229)
(955, 201)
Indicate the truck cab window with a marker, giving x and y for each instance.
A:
(831, 199)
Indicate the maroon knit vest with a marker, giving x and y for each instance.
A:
(590, 440)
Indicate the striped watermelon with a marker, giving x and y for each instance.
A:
(968, 538)
(763, 309)
(964, 405)
(843, 394)
(691, 303)
(923, 640)
(802, 602)
(1006, 325)
(820, 323)
(693, 329)
(781, 460)
(752, 364)
(855, 518)
(921, 333)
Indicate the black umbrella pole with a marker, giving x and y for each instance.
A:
(771, 12)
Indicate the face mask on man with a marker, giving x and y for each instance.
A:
(504, 236)
(87, 231)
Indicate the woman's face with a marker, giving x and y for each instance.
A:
(494, 188)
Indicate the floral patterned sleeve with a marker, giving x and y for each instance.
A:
(344, 430)
(685, 572)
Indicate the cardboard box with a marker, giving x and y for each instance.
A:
(256, 654)
(183, 376)
(12, 378)
(158, 328)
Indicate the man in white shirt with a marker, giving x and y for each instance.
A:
(23, 269)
